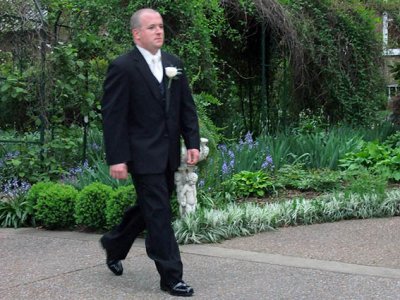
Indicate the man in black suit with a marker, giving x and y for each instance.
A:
(144, 115)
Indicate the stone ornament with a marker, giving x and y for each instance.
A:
(186, 180)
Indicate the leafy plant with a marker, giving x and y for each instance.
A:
(121, 199)
(17, 96)
(213, 225)
(14, 212)
(90, 205)
(82, 176)
(246, 183)
(34, 162)
(55, 206)
(393, 140)
(297, 177)
(378, 158)
(362, 181)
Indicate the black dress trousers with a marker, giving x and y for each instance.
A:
(153, 213)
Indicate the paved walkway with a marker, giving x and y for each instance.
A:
(357, 259)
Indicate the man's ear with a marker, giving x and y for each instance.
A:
(136, 34)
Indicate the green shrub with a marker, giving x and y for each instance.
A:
(55, 206)
(33, 195)
(121, 199)
(91, 205)
(246, 184)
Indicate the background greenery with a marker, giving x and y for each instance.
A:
(305, 113)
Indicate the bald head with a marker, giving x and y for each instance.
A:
(136, 17)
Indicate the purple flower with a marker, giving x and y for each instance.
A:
(232, 163)
(201, 183)
(95, 147)
(268, 163)
(225, 168)
(11, 155)
(14, 187)
(75, 171)
(248, 139)
(222, 148)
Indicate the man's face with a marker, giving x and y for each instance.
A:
(150, 35)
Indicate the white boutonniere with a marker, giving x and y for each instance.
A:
(171, 73)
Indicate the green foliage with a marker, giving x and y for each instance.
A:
(317, 150)
(311, 122)
(246, 184)
(247, 155)
(339, 53)
(77, 80)
(17, 95)
(212, 225)
(363, 182)
(34, 162)
(190, 29)
(121, 199)
(174, 206)
(393, 140)
(383, 5)
(36, 190)
(320, 56)
(90, 205)
(376, 157)
(297, 177)
(320, 149)
(55, 206)
(207, 126)
(396, 71)
(98, 172)
(14, 212)
(341, 46)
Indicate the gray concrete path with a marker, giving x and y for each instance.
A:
(358, 259)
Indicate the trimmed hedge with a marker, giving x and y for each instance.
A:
(90, 205)
(121, 199)
(54, 206)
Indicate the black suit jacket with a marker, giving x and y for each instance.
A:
(142, 126)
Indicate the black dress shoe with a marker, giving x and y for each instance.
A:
(179, 289)
(115, 266)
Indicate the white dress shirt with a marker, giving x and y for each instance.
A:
(154, 62)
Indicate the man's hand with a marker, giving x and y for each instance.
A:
(193, 156)
(119, 171)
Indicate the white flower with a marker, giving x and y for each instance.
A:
(171, 73)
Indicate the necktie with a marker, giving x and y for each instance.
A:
(157, 68)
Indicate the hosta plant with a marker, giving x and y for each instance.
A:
(250, 184)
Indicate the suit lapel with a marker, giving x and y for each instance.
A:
(148, 76)
(166, 63)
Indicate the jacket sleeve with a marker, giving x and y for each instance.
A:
(115, 108)
(189, 119)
